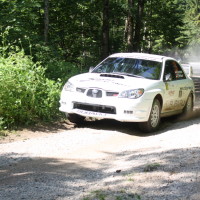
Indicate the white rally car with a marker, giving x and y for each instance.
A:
(129, 87)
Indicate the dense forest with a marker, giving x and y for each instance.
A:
(57, 39)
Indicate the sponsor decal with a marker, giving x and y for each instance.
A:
(186, 88)
(89, 113)
(171, 93)
(175, 104)
(167, 86)
(102, 80)
(179, 74)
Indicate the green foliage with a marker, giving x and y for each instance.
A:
(56, 66)
(26, 94)
(164, 23)
(24, 19)
(75, 28)
(30, 90)
(192, 21)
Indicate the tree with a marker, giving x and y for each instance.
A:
(138, 26)
(105, 30)
(83, 32)
(130, 26)
(163, 26)
(192, 21)
(46, 20)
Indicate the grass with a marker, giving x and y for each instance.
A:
(3, 134)
(130, 176)
(151, 167)
(97, 194)
(114, 195)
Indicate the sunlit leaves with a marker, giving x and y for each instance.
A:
(26, 94)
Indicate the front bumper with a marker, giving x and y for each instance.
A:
(121, 109)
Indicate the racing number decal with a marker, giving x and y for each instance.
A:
(174, 104)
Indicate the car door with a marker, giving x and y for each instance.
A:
(174, 79)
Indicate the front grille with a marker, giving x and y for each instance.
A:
(94, 93)
(95, 108)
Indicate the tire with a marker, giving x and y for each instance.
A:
(188, 109)
(76, 119)
(154, 118)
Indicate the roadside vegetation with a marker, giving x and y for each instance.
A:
(27, 96)
(115, 195)
(43, 43)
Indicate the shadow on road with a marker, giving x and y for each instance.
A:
(173, 173)
(168, 123)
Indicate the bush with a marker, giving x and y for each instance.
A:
(26, 96)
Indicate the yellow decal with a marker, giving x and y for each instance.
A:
(167, 86)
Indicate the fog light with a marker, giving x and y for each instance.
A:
(129, 112)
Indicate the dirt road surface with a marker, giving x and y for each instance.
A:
(103, 159)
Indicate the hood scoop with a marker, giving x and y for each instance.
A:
(111, 76)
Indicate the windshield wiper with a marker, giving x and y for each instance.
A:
(128, 74)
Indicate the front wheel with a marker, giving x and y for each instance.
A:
(154, 118)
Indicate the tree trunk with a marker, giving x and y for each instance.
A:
(138, 26)
(46, 20)
(105, 30)
(129, 26)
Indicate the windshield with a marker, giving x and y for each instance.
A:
(131, 67)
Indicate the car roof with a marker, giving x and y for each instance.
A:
(144, 56)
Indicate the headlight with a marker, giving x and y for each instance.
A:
(69, 87)
(132, 94)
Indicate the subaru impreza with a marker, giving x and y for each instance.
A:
(129, 87)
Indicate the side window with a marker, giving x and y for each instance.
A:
(179, 72)
(173, 71)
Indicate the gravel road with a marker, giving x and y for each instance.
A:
(104, 159)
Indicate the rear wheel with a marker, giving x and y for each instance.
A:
(154, 118)
(74, 118)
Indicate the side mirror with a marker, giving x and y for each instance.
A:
(91, 69)
(168, 77)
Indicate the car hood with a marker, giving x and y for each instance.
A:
(114, 82)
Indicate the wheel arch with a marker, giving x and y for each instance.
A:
(159, 97)
(192, 93)
(193, 96)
